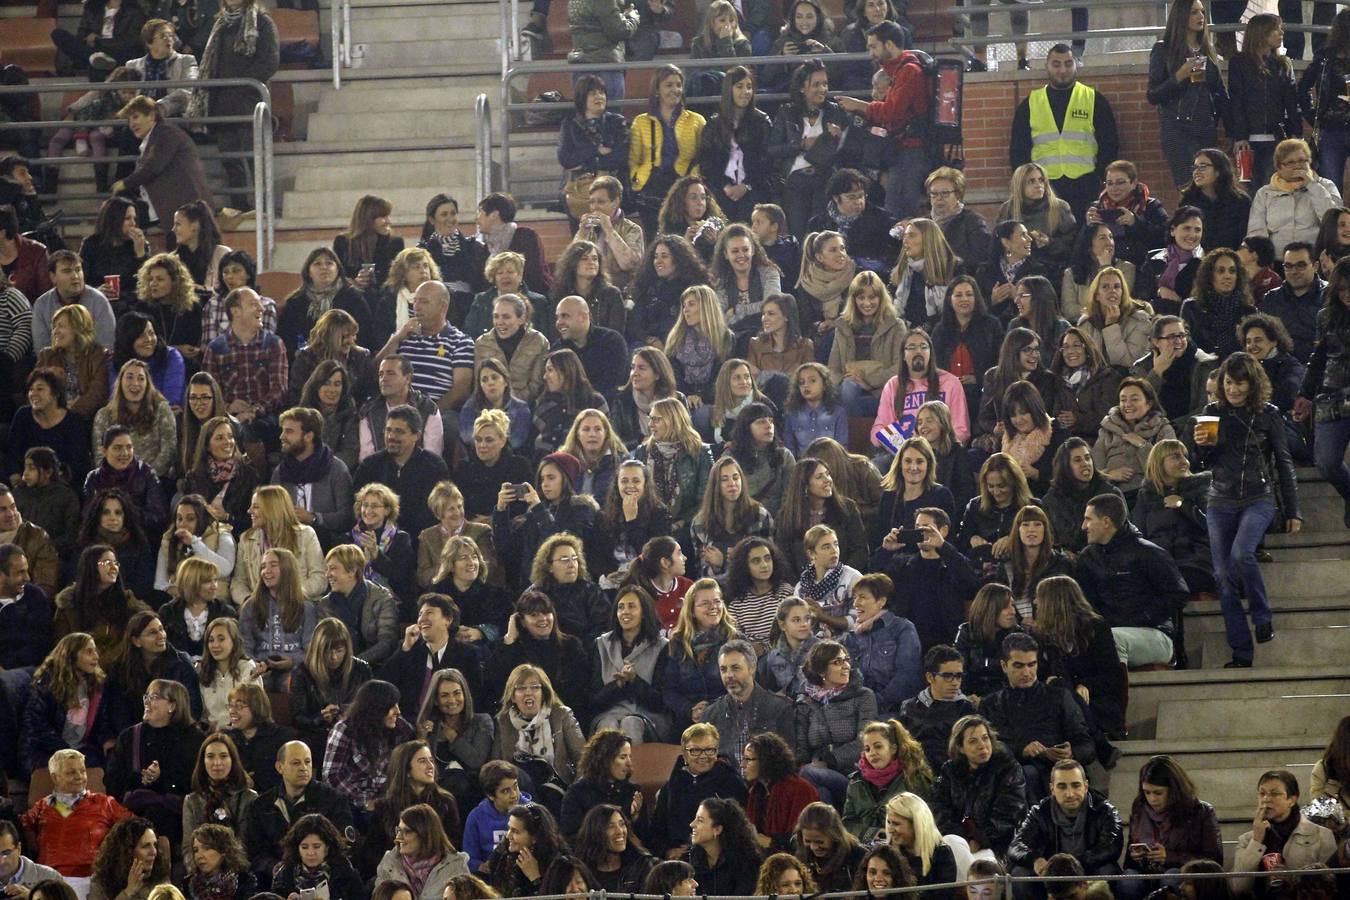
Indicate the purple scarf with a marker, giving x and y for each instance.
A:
(1177, 259)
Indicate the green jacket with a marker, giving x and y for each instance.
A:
(692, 473)
(599, 29)
(865, 806)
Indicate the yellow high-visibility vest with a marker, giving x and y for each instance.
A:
(1072, 152)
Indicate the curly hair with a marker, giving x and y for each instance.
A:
(365, 717)
(737, 840)
(113, 860)
(772, 871)
(60, 675)
(829, 394)
(599, 753)
(222, 840)
(543, 559)
(1202, 289)
(902, 875)
(1242, 367)
(689, 268)
(739, 579)
(776, 760)
(312, 824)
(182, 297)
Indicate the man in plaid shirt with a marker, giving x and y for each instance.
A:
(249, 362)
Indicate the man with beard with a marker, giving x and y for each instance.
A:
(919, 381)
(317, 480)
(1072, 820)
(404, 468)
(747, 709)
(1069, 129)
(395, 382)
(1176, 368)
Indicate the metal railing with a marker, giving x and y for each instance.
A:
(259, 121)
(482, 146)
(340, 34)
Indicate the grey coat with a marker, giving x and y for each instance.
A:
(330, 499)
(829, 732)
(764, 711)
(194, 814)
(391, 869)
(170, 171)
(379, 622)
(182, 67)
(567, 740)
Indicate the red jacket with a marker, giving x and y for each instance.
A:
(906, 101)
(773, 811)
(31, 276)
(68, 843)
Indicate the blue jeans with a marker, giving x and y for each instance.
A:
(904, 182)
(1329, 442)
(1333, 148)
(614, 82)
(858, 400)
(1234, 534)
(831, 785)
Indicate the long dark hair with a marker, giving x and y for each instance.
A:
(1164, 771)
(111, 215)
(742, 445)
(649, 628)
(400, 791)
(131, 519)
(689, 268)
(803, 73)
(1203, 288)
(113, 860)
(934, 391)
(1338, 315)
(309, 394)
(739, 580)
(648, 564)
(737, 840)
(208, 237)
(130, 327)
(1044, 312)
(565, 271)
(724, 126)
(591, 845)
(242, 259)
(776, 761)
(91, 601)
(365, 717)
(1008, 368)
(949, 322)
(1175, 32)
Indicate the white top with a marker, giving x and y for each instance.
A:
(809, 130)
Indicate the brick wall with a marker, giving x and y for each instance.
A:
(989, 104)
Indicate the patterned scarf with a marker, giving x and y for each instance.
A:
(221, 471)
(534, 737)
(321, 299)
(821, 693)
(810, 589)
(418, 871)
(1027, 449)
(383, 539)
(219, 885)
(246, 44)
(450, 243)
(667, 481)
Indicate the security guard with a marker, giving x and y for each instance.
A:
(1069, 129)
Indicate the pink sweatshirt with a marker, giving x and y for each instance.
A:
(951, 391)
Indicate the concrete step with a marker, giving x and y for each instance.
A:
(1305, 578)
(1289, 648)
(1225, 751)
(378, 26)
(336, 174)
(409, 201)
(447, 123)
(1305, 714)
(1291, 612)
(1148, 689)
(469, 49)
(362, 96)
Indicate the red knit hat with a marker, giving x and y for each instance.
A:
(568, 464)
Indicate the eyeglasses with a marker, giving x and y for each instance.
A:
(701, 751)
(108, 564)
(841, 661)
(1297, 266)
(1198, 167)
(940, 195)
(400, 831)
(151, 698)
(529, 689)
(855, 197)
(566, 560)
(1174, 338)
(949, 677)
(1031, 351)
(1301, 161)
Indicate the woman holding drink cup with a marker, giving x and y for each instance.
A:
(1241, 440)
(113, 253)
(1325, 100)
(1262, 73)
(1186, 84)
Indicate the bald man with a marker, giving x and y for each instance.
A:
(603, 351)
(441, 354)
(270, 816)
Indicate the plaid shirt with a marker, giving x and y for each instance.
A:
(255, 372)
(353, 774)
(215, 321)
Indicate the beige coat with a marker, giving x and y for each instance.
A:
(526, 366)
(887, 351)
(567, 740)
(248, 563)
(1073, 297)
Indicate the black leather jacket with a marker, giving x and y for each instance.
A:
(785, 140)
(1328, 373)
(1241, 461)
(1038, 835)
(992, 797)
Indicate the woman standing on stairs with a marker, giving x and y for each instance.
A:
(1246, 453)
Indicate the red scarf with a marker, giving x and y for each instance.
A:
(878, 778)
(1135, 203)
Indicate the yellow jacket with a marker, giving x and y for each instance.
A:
(644, 146)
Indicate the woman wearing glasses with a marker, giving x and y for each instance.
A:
(534, 724)
(833, 709)
(1291, 206)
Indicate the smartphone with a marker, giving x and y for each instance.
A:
(1138, 848)
(909, 536)
(520, 490)
(306, 893)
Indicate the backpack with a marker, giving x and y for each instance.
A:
(940, 130)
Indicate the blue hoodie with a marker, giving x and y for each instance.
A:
(484, 830)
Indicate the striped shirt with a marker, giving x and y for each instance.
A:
(435, 357)
(754, 613)
(16, 324)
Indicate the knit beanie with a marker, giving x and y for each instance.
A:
(568, 464)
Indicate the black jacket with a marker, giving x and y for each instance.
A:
(605, 358)
(1299, 314)
(1250, 446)
(932, 593)
(1096, 667)
(785, 140)
(984, 674)
(729, 878)
(126, 40)
(968, 235)
(1182, 533)
(577, 150)
(259, 753)
(518, 537)
(585, 793)
(26, 629)
(987, 803)
(930, 723)
(1133, 583)
(1146, 277)
(265, 823)
(480, 483)
(175, 747)
(752, 136)
(1042, 712)
(171, 614)
(1065, 508)
(1269, 103)
(1038, 835)
(1286, 377)
(415, 478)
(868, 237)
(569, 666)
(307, 702)
(343, 882)
(406, 669)
(982, 337)
(678, 801)
(1328, 373)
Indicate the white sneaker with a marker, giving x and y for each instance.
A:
(81, 147)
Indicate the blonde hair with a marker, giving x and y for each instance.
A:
(518, 675)
(719, 9)
(867, 281)
(442, 495)
(326, 336)
(493, 418)
(613, 443)
(926, 834)
(543, 558)
(462, 546)
(939, 262)
(894, 481)
(1153, 469)
(712, 324)
(191, 574)
(1127, 303)
(184, 296)
(386, 496)
(398, 269)
(685, 627)
(349, 556)
(505, 258)
(1052, 202)
(81, 325)
(280, 526)
(328, 634)
(815, 534)
(722, 401)
(700, 730)
(678, 416)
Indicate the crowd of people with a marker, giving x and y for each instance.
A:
(789, 458)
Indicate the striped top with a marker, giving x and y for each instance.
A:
(754, 613)
(435, 357)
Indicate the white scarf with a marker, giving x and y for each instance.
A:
(534, 737)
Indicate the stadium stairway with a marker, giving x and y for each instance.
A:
(1227, 726)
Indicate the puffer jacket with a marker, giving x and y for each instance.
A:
(678, 801)
(644, 147)
(1112, 451)
(1328, 372)
(829, 730)
(526, 365)
(1241, 461)
(865, 803)
(685, 680)
(1091, 400)
(1285, 216)
(379, 626)
(1132, 582)
(599, 29)
(1182, 532)
(780, 670)
(889, 658)
(992, 796)
(1125, 341)
(1038, 835)
(1065, 508)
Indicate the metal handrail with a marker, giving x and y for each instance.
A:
(482, 146)
(264, 185)
(340, 38)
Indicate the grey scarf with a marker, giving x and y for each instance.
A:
(246, 44)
